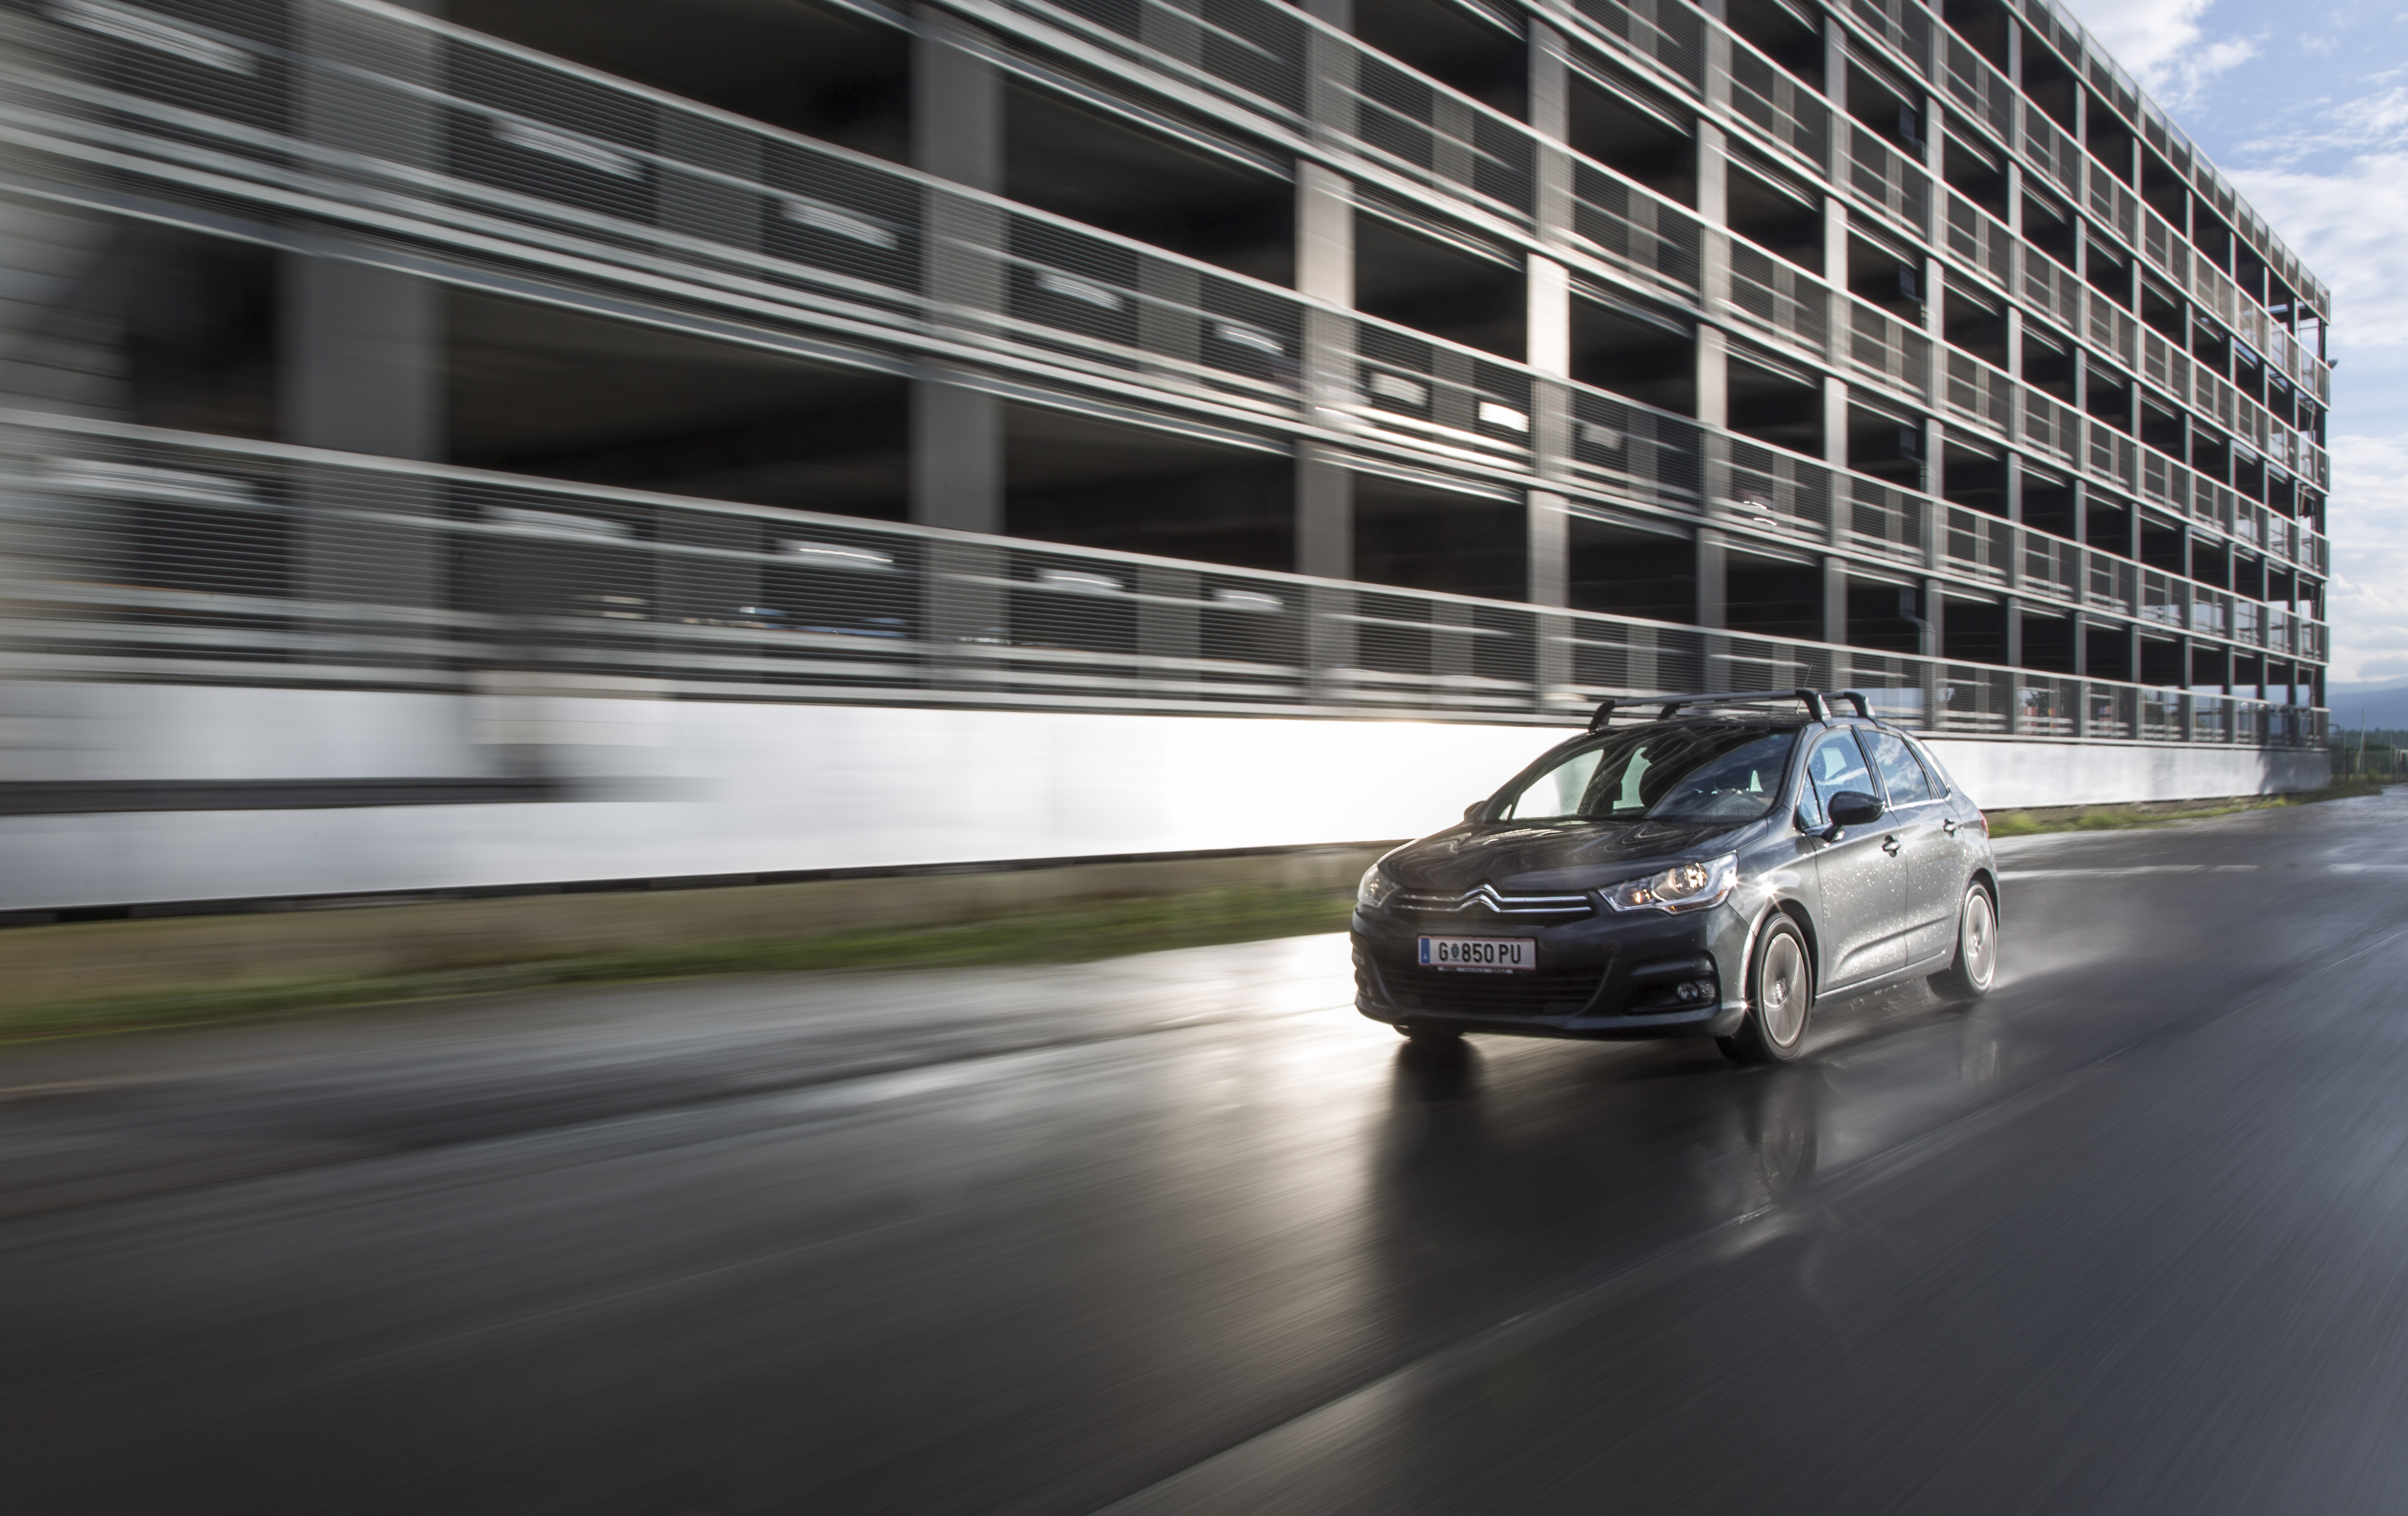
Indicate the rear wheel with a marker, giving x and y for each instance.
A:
(1781, 995)
(1968, 979)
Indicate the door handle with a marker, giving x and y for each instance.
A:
(1950, 825)
(1889, 844)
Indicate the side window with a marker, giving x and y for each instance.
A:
(1941, 784)
(1835, 766)
(1900, 771)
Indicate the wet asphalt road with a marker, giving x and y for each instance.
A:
(1182, 1233)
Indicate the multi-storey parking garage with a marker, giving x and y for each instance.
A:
(1178, 355)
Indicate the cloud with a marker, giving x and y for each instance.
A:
(2350, 227)
(2370, 124)
(2162, 42)
(2368, 599)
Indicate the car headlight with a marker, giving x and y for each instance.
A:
(1681, 887)
(1374, 890)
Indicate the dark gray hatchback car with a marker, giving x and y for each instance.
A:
(1715, 871)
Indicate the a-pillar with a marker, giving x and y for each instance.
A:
(361, 348)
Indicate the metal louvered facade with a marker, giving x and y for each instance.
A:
(1967, 381)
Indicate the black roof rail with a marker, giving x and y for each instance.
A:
(1672, 703)
(1857, 698)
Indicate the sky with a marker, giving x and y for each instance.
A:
(2304, 107)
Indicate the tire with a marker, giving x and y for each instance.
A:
(1780, 998)
(1968, 978)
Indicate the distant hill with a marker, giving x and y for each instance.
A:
(2384, 704)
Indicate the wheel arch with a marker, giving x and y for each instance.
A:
(1987, 877)
(1803, 919)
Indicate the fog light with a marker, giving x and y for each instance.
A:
(1693, 991)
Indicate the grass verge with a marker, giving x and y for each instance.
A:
(1070, 934)
(2120, 818)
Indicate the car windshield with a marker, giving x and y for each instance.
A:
(1684, 773)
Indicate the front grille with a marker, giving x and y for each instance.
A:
(1482, 901)
(1561, 992)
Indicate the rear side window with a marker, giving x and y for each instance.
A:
(1900, 773)
(1942, 785)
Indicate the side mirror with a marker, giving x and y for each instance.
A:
(1472, 812)
(1854, 807)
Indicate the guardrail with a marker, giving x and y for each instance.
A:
(136, 555)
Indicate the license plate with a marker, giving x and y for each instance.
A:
(1480, 955)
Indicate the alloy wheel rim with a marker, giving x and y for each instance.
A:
(1782, 1000)
(1981, 944)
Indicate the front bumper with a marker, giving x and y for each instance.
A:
(1604, 976)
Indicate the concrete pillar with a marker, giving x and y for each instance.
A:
(1548, 347)
(1549, 549)
(1713, 377)
(1713, 608)
(1714, 204)
(957, 135)
(1550, 113)
(956, 456)
(1713, 579)
(363, 359)
(958, 478)
(1324, 235)
(2013, 485)
(362, 349)
(1549, 341)
(1325, 512)
(2013, 609)
(1835, 268)
(1835, 599)
(1325, 275)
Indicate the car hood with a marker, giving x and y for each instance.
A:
(1536, 857)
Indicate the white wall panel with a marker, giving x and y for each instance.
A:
(702, 788)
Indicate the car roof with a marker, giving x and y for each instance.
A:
(1758, 706)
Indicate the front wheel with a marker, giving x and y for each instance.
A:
(1781, 993)
(1968, 979)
